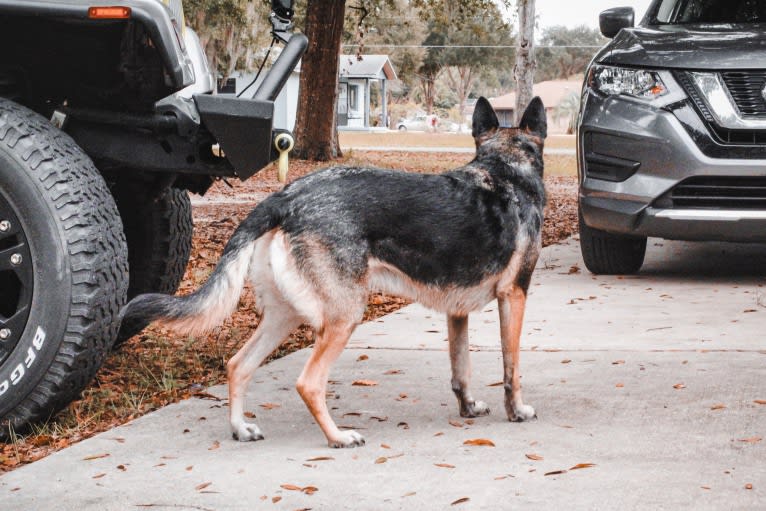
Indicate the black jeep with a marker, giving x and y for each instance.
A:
(107, 121)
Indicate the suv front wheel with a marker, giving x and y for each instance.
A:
(605, 253)
(63, 268)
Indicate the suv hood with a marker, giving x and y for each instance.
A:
(688, 47)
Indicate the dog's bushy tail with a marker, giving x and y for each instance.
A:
(212, 303)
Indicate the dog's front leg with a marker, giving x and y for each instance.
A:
(457, 328)
(511, 308)
(312, 383)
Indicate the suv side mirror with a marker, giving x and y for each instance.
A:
(611, 21)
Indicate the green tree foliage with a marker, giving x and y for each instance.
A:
(389, 25)
(461, 25)
(231, 31)
(562, 63)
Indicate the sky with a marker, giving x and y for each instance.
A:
(581, 12)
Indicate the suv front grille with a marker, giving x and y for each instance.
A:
(720, 193)
(746, 88)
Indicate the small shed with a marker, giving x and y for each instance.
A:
(363, 86)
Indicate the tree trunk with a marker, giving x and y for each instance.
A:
(316, 135)
(524, 69)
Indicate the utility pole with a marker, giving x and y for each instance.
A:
(524, 68)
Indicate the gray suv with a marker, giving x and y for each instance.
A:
(671, 138)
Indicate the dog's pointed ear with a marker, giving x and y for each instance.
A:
(534, 118)
(484, 118)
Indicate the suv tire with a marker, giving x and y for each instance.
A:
(63, 258)
(610, 254)
(159, 234)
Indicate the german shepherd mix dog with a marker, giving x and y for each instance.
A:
(315, 250)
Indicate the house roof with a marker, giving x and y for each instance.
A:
(551, 92)
(370, 66)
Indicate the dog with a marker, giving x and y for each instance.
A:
(315, 250)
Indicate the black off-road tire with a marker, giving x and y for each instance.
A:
(63, 297)
(610, 254)
(159, 234)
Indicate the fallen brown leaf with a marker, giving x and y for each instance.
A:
(760, 401)
(460, 501)
(620, 385)
(321, 458)
(96, 456)
(270, 406)
(618, 362)
(748, 486)
(122, 467)
(403, 425)
(362, 357)
(215, 446)
(679, 386)
(718, 406)
(276, 499)
(439, 433)
(99, 476)
(365, 383)
(444, 465)
(534, 457)
(455, 423)
(582, 465)
(480, 441)
(249, 415)
(496, 384)
(290, 487)
(380, 460)
(566, 361)
(310, 490)
(555, 473)
(751, 440)
(385, 446)
(393, 371)
(202, 486)
(409, 494)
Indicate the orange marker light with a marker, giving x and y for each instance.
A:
(110, 13)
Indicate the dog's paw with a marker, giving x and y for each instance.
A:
(522, 413)
(348, 438)
(475, 409)
(246, 432)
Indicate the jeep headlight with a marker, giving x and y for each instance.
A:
(638, 83)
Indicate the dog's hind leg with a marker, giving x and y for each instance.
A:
(511, 306)
(457, 328)
(274, 327)
(312, 383)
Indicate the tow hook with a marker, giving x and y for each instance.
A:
(284, 143)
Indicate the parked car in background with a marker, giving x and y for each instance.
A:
(421, 122)
(671, 135)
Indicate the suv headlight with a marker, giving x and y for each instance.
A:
(637, 83)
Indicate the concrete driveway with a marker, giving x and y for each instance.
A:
(650, 392)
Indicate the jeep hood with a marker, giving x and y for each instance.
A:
(688, 47)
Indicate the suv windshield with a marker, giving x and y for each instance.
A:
(677, 12)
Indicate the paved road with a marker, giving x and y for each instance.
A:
(650, 383)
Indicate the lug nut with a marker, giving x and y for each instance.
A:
(5, 226)
(5, 333)
(16, 259)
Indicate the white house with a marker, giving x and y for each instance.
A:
(359, 79)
